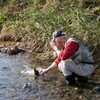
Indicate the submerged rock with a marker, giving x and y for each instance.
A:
(11, 50)
(14, 50)
(27, 86)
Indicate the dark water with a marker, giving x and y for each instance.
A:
(13, 84)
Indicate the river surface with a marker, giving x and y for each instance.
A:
(13, 84)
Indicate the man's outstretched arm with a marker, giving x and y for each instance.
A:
(51, 67)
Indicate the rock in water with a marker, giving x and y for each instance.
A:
(27, 86)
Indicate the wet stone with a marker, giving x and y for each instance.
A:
(80, 97)
(96, 89)
(2, 86)
(5, 68)
(27, 86)
(11, 50)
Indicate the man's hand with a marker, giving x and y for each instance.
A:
(43, 71)
(54, 47)
(51, 67)
(53, 44)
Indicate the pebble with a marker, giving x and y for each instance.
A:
(6, 68)
(27, 86)
(76, 88)
(80, 97)
(96, 89)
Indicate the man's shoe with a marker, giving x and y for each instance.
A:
(82, 79)
(70, 80)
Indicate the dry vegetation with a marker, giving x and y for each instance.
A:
(39, 18)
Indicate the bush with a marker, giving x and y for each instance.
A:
(42, 17)
(2, 18)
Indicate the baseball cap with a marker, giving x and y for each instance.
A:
(58, 33)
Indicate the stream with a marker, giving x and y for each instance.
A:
(17, 86)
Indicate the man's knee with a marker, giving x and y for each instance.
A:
(64, 64)
(63, 67)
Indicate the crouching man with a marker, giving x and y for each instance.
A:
(73, 59)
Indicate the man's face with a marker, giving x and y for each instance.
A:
(59, 42)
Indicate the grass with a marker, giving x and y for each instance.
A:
(40, 18)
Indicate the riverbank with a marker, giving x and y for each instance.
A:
(31, 23)
(52, 86)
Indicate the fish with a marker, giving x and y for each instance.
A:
(32, 71)
(28, 72)
(36, 72)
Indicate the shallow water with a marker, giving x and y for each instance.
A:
(14, 85)
(17, 82)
